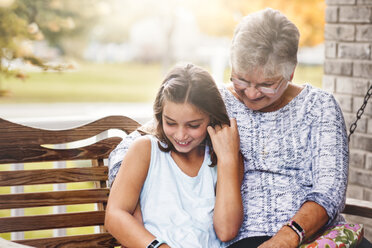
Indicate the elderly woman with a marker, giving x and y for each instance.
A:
(293, 138)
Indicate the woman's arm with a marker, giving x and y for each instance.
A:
(329, 173)
(228, 211)
(124, 196)
(116, 156)
(311, 217)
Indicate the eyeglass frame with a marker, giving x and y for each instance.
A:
(263, 90)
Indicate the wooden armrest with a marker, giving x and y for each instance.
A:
(358, 207)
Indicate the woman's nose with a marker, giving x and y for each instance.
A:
(252, 93)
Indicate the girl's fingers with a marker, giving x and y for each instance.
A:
(211, 131)
(233, 123)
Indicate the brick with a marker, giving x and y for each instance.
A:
(354, 51)
(355, 14)
(369, 126)
(368, 2)
(331, 14)
(367, 194)
(328, 83)
(345, 102)
(361, 124)
(338, 67)
(339, 32)
(363, 33)
(330, 49)
(354, 191)
(357, 159)
(336, 2)
(354, 86)
(360, 177)
(363, 142)
(362, 69)
(368, 164)
(358, 102)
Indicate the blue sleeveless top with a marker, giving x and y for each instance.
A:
(176, 207)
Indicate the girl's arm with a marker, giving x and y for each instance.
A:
(228, 211)
(124, 196)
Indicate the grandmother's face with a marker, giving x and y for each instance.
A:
(256, 91)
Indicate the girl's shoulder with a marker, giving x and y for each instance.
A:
(143, 141)
(142, 146)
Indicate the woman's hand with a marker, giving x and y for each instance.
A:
(225, 140)
(285, 238)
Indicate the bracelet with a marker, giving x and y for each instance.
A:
(297, 229)
(156, 243)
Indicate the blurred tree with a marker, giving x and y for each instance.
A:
(223, 15)
(61, 21)
(56, 21)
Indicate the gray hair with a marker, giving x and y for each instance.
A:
(265, 40)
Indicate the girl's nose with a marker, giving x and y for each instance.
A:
(181, 134)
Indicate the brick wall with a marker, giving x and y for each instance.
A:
(348, 75)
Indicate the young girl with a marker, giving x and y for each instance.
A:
(187, 177)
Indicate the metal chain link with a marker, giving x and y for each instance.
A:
(360, 112)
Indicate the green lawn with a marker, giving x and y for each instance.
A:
(88, 83)
(131, 82)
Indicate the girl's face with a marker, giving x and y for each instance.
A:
(184, 125)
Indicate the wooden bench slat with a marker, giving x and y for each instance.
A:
(53, 198)
(98, 240)
(358, 207)
(48, 176)
(41, 222)
(22, 144)
(20, 134)
(37, 153)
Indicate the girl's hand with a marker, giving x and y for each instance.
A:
(225, 140)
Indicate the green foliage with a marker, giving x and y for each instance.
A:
(308, 15)
(25, 21)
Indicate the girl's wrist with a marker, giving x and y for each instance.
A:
(228, 161)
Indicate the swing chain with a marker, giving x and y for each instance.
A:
(360, 112)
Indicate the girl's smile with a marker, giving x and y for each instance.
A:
(184, 125)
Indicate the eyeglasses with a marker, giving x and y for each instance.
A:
(265, 88)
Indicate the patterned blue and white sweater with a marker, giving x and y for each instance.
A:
(296, 154)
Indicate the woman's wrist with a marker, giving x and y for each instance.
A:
(292, 238)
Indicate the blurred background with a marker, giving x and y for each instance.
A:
(88, 58)
(66, 62)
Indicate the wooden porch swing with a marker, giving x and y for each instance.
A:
(24, 145)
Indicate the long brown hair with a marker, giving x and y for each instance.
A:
(194, 85)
